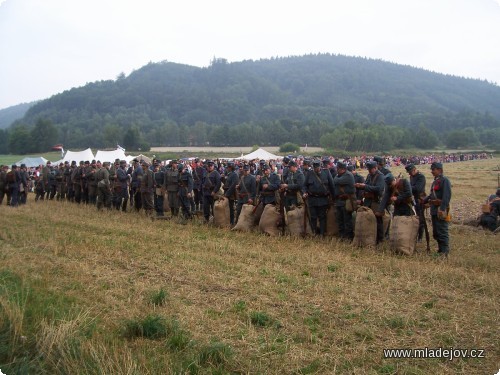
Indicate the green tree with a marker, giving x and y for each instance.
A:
(43, 135)
(20, 141)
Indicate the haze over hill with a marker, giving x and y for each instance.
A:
(53, 45)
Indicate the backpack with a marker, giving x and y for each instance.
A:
(11, 177)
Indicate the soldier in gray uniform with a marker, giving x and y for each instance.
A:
(381, 165)
(439, 199)
(68, 173)
(398, 193)
(358, 179)
(92, 182)
(76, 179)
(211, 183)
(159, 179)
(23, 187)
(172, 187)
(344, 191)
(60, 184)
(318, 190)
(293, 185)
(246, 189)
(136, 173)
(185, 190)
(229, 188)
(121, 187)
(147, 188)
(103, 187)
(268, 184)
(373, 187)
(3, 183)
(418, 182)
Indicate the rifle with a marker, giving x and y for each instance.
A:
(306, 216)
(421, 216)
(281, 221)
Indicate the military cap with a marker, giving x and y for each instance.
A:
(23, 165)
(13, 166)
(388, 178)
(341, 165)
(174, 161)
(307, 162)
(351, 168)
(73, 162)
(105, 164)
(61, 164)
(81, 162)
(135, 160)
(409, 167)
(286, 159)
(292, 163)
(371, 164)
(265, 167)
(246, 167)
(87, 162)
(230, 165)
(117, 161)
(316, 163)
(326, 160)
(144, 162)
(93, 161)
(66, 162)
(48, 162)
(209, 162)
(123, 162)
(378, 159)
(262, 161)
(436, 165)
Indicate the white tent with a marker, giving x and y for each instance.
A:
(32, 162)
(110, 156)
(260, 154)
(78, 156)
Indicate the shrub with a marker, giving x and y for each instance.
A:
(289, 147)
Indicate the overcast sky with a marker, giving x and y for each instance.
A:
(48, 46)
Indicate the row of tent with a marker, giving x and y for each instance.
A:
(84, 155)
(111, 156)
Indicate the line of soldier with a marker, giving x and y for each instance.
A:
(318, 184)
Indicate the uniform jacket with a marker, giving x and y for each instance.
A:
(440, 189)
(319, 187)
(230, 185)
(344, 188)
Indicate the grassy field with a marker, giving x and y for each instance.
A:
(83, 292)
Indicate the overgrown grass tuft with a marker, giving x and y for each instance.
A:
(158, 298)
(151, 327)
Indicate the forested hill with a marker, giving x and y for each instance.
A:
(243, 102)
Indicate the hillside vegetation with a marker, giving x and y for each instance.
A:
(292, 99)
(86, 292)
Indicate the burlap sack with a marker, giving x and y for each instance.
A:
(269, 220)
(365, 232)
(403, 234)
(245, 220)
(221, 213)
(295, 219)
(332, 228)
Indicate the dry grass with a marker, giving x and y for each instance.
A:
(325, 307)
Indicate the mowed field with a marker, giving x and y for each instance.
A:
(87, 292)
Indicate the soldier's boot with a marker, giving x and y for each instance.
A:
(176, 212)
(172, 212)
(124, 205)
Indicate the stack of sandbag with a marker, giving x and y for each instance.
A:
(296, 222)
(245, 220)
(269, 220)
(403, 234)
(332, 228)
(365, 232)
(221, 213)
